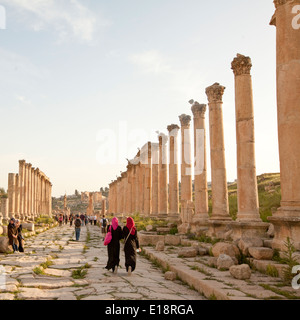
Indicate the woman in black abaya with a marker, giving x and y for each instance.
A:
(113, 248)
(131, 245)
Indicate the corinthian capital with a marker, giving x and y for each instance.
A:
(215, 93)
(173, 129)
(199, 110)
(241, 65)
(185, 120)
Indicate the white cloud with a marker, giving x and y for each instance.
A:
(150, 61)
(68, 18)
(24, 100)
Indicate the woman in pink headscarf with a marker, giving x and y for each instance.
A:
(113, 248)
(131, 245)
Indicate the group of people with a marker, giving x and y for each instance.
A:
(128, 233)
(131, 242)
(15, 237)
(85, 219)
(131, 245)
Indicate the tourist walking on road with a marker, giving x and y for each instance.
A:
(104, 223)
(12, 234)
(20, 238)
(61, 219)
(71, 218)
(82, 219)
(113, 248)
(78, 225)
(131, 245)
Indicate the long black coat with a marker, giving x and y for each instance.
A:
(130, 247)
(12, 230)
(113, 248)
(20, 239)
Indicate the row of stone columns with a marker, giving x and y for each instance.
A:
(287, 219)
(145, 186)
(29, 193)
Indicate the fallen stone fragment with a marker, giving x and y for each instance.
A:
(241, 272)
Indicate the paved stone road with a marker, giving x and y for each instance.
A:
(47, 272)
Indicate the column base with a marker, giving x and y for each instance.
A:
(199, 224)
(174, 217)
(249, 229)
(285, 227)
(248, 217)
(234, 230)
(184, 228)
(162, 216)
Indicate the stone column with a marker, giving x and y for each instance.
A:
(4, 209)
(129, 189)
(29, 191)
(103, 209)
(287, 219)
(50, 199)
(17, 197)
(26, 192)
(133, 188)
(186, 159)
(248, 206)
(42, 195)
(32, 194)
(22, 187)
(200, 180)
(119, 195)
(217, 151)
(155, 178)
(147, 185)
(47, 197)
(173, 170)
(11, 194)
(35, 193)
(124, 191)
(38, 192)
(141, 188)
(110, 195)
(163, 175)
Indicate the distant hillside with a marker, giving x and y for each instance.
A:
(269, 193)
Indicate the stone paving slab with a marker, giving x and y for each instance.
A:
(212, 282)
(57, 245)
(195, 279)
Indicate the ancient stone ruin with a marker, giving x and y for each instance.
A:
(29, 194)
(145, 188)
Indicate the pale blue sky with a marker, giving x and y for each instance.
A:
(73, 68)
